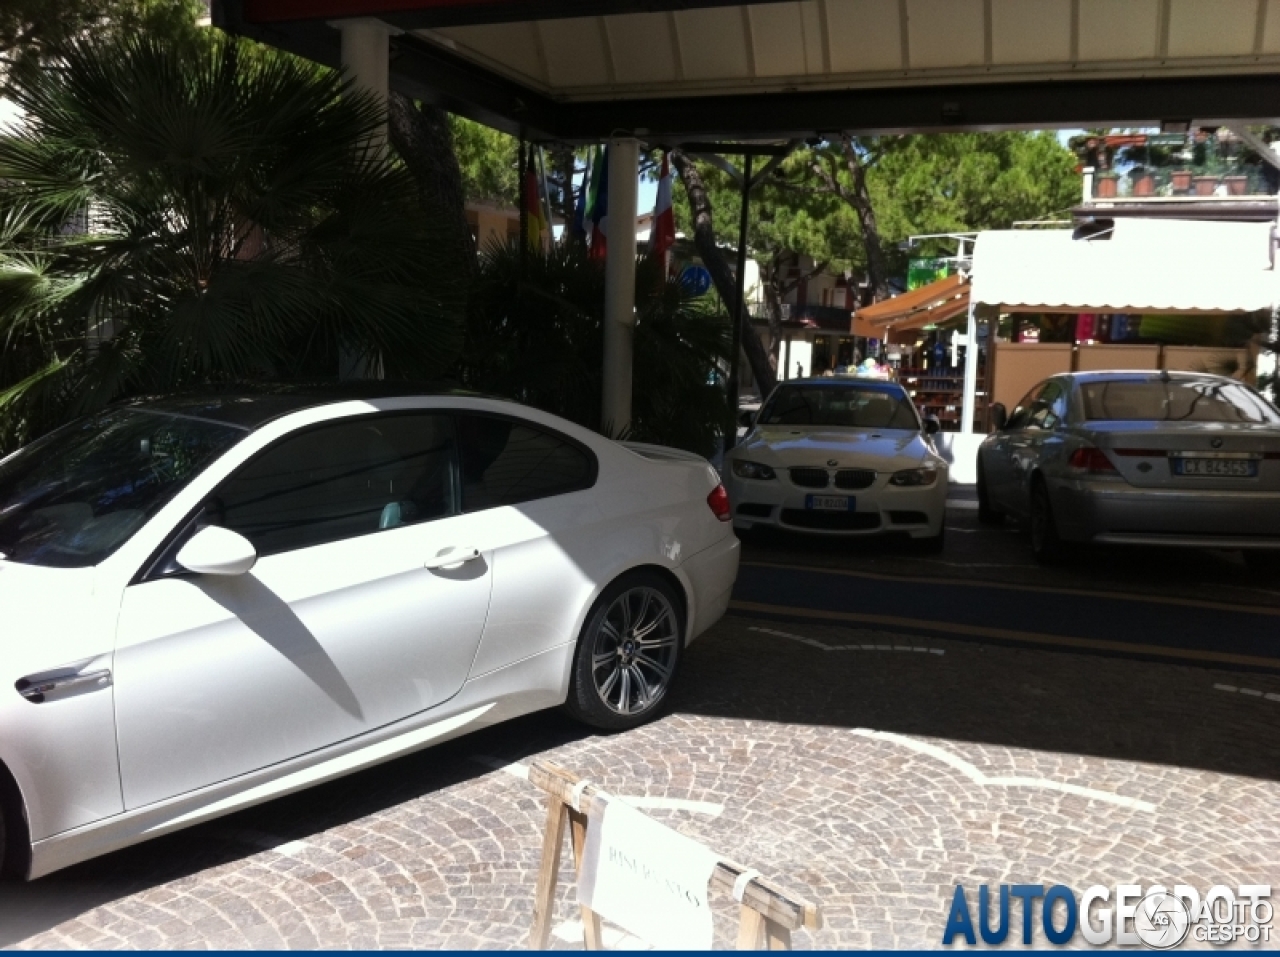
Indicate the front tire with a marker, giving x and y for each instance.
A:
(1046, 545)
(628, 653)
(986, 514)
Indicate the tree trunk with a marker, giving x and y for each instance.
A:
(860, 199)
(704, 239)
(421, 135)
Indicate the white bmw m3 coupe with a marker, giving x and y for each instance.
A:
(209, 601)
(837, 456)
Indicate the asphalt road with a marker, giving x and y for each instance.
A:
(1192, 606)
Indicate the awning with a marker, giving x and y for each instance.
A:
(939, 301)
(678, 69)
(1138, 265)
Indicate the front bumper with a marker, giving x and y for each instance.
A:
(1111, 513)
(879, 509)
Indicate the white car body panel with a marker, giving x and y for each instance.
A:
(198, 697)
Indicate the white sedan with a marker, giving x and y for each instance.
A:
(212, 601)
(836, 456)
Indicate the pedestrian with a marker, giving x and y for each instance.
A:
(799, 371)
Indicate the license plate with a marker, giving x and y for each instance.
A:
(1224, 468)
(829, 503)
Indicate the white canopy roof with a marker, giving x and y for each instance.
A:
(851, 44)
(1142, 265)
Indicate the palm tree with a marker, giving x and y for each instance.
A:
(534, 334)
(176, 214)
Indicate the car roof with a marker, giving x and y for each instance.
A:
(1141, 375)
(837, 382)
(250, 406)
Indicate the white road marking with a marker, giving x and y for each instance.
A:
(1251, 692)
(977, 777)
(642, 802)
(962, 503)
(817, 644)
(962, 531)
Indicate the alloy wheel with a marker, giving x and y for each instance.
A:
(634, 652)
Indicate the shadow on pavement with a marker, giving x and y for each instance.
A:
(1076, 703)
(28, 909)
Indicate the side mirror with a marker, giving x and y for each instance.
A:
(746, 418)
(999, 416)
(217, 551)
(932, 425)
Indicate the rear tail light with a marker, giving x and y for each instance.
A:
(719, 502)
(1090, 459)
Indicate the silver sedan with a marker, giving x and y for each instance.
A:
(1144, 458)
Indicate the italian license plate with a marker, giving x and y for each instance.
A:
(1225, 468)
(829, 503)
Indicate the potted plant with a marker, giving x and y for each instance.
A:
(1180, 180)
(1144, 184)
(1205, 183)
(1106, 184)
(1237, 183)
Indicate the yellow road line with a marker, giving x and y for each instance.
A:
(1012, 586)
(1006, 634)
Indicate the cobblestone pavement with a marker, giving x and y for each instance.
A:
(868, 771)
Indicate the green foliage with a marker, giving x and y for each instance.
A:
(954, 182)
(32, 32)
(241, 223)
(534, 335)
(489, 162)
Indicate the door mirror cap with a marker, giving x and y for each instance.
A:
(746, 418)
(932, 425)
(217, 551)
(999, 416)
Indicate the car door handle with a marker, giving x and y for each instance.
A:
(452, 557)
(35, 689)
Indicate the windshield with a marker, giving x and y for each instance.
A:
(75, 496)
(859, 406)
(1175, 400)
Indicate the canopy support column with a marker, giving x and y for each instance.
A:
(365, 60)
(620, 285)
(970, 372)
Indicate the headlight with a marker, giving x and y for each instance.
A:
(752, 470)
(914, 477)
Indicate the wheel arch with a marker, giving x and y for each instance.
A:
(16, 859)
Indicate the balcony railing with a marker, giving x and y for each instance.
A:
(1189, 180)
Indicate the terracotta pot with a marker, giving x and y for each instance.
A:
(1205, 185)
(1144, 185)
(1236, 185)
(1106, 187)
(1181, 179)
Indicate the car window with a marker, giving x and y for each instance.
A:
(856, 405)
(357, 476)
(1049, 408)
(1021, 416)
(505, 462)
(1175, 400)
(74, 497)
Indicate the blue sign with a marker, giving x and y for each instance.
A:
(696, 280)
